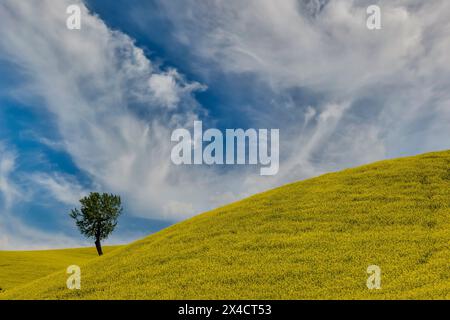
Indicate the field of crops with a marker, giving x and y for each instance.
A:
(20, 267)
(307, 240)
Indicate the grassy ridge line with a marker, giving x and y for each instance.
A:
(307, 240)
(20, 267)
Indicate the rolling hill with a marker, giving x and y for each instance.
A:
(312, 239)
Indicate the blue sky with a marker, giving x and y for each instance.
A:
(93, 109)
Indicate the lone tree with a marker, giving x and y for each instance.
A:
(98, 216)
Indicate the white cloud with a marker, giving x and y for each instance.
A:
(63, 188)
(98, 87)
(288, 45)
(164, 89)
(393, 79)
(8, 189)
(14, 233)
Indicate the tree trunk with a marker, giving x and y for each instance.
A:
(98, 245)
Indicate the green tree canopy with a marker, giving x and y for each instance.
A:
(97, 216)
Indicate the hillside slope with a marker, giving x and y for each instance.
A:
(20, 267)
(307, 240)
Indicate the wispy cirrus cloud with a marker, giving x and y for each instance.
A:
(113, 109)
(62, 188)
(9, 191)
(15, 233)
(392, 79)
